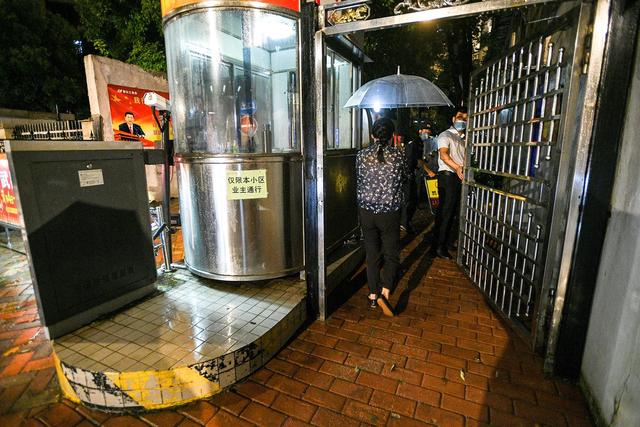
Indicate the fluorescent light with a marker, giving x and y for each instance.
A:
(272, 27)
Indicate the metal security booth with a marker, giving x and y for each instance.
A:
(233, 70)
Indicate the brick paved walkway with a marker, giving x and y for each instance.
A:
(446, 360)
(27, 376)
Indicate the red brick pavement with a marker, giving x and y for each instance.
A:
(446, 360)
(27, 376)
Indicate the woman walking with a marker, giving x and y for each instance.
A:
(382, 170)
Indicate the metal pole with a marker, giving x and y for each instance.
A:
(8, 233)
(166, 252)
(166, 195)
(320, 60)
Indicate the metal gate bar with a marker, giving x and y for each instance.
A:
(514, 120)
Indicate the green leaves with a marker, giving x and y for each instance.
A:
(40, 68)
(130, 31)
(43, 43)
(445, 52)
(149, 56)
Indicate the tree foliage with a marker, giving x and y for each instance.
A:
(127, 30)
(444, 52)
(43, 41)
(41, 69)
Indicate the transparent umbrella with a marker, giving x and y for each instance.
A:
(398, 91)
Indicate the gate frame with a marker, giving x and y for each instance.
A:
(565, 218)
(571, 174)
(562, 221)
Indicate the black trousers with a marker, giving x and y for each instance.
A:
(449, 187)
(382, 245)
(409, 208)
(422, 198)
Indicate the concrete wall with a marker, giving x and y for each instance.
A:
(100, 72)
(611, 363)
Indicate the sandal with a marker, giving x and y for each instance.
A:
(372, 302)
(386, 306)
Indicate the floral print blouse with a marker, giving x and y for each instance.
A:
(380, 185)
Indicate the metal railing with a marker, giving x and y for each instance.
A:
(161, 231)
(62, 130)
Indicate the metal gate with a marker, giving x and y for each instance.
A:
(515, 140)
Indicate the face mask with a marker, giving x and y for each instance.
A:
(425, 136)
(460, 125)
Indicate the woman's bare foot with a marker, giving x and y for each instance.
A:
(385, 305)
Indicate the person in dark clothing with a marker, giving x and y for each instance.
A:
(381, 172)
(413, 151)
(451, 151)
(130, 127)
(427, 165)
(429, 152)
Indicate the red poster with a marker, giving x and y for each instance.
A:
(142, 126)
(8, 206)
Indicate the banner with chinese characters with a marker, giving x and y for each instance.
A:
(247, 184)
(169, 6)
(124, 99)
(9, 213)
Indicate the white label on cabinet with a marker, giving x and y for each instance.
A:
(90, 178)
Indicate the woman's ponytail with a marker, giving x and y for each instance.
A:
(380, 152)
(382, 130)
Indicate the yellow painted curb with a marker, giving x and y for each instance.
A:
(163, 389)
(67, 390)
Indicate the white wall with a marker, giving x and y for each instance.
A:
(611, 363)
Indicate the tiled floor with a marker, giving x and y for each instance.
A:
(191, 321)
(12, 239)
(446, 360)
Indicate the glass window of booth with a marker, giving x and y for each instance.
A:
(342, 80)
(233, 77)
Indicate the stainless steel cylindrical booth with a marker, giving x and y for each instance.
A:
(233, 69)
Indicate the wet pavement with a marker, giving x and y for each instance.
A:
(447, 360)
(27, 376)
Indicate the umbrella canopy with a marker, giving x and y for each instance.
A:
(397, 91)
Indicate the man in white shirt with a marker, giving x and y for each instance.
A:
(451, 150)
